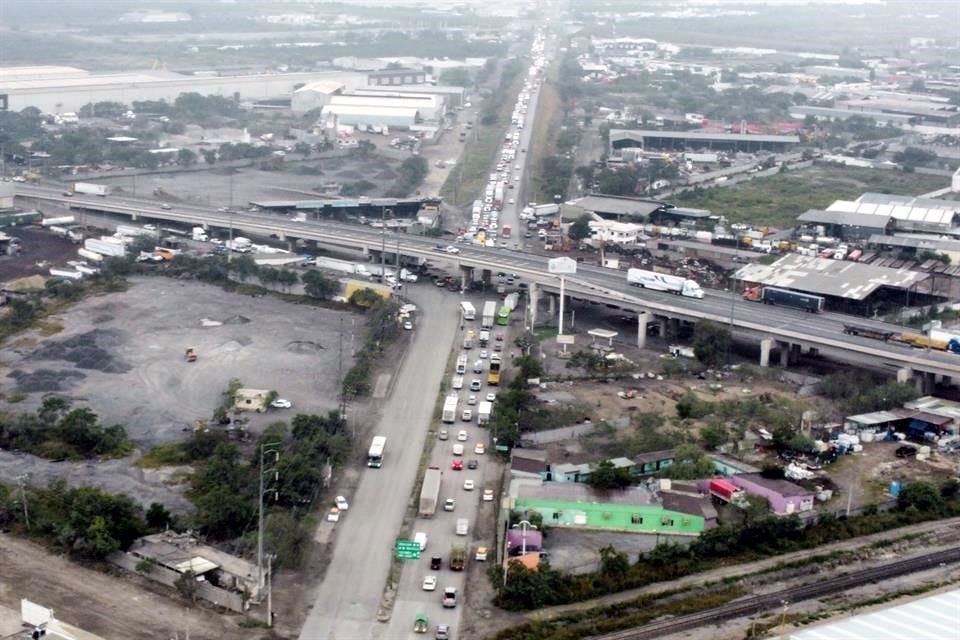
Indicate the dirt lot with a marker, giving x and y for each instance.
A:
(102, 604)
(122, 355)
(40, 251)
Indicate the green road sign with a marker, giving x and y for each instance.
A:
(407, 549)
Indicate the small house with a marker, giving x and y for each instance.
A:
(785, 497)
(528, 463)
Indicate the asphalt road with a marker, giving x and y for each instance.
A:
(347, 601)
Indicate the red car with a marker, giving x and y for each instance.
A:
(499, 337)
(456, 464)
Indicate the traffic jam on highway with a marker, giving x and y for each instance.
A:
(458, 485)
(500, 194)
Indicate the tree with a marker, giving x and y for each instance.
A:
(922, 496)
(320, 286)
(606, 476)
(158, 517)
(186, 584)
(22, 313)
(364, 298)
(580, 229)
(689, 463)
(614, 564)
(714, 435)
(458, 77)
(711, 342)
(186, 158)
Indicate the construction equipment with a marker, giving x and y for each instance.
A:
(190, 355)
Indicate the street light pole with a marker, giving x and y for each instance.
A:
(264, 450)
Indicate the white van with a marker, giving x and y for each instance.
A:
(458, 449)
(420, 538)
(463, 526)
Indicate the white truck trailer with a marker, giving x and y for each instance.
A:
(664, 282)
(449, 415)
(91, 189)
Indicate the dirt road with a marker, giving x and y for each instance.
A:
(109, 606)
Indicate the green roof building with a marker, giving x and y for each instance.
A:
(634, 510)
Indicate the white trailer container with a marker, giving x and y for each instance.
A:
(132, 232)
(484, 409)
(468, 310)
(664, 282)
(105, 247)
(91, 189)
(450, 409)
(92, 256)
(66, 273)
(48, 222)
(199, 234)
(489, 314)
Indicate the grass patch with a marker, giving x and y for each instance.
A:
(171, 454)
(778, 200)
(47, 328)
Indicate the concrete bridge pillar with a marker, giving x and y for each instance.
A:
(766, 344)
(784, 349)
(534, 292)
(552, 305)
(661, 326)
(795, 351)
(642, 319)
(464, 278)
(904, 374)
(674, 327)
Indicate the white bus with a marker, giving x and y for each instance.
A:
(468, 310)
(375, 454)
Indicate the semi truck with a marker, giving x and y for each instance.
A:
(489, 314)
(429, 493)
(105, 247)
(785, 298)
(458, 557)
(48, 222)
(199, 234)
(92, 256)
(450, 409)
(511, 301)
(132, 232)
(342, 266)
(937, 340)
(91, 189)
(664, 282)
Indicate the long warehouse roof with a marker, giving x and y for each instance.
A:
(904, 208)
(931, 618)
(824, 276)
(633, 134)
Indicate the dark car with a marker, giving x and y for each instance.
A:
(906, 451)
(436, 562)
(472, 463)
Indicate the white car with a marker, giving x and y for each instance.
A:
(150, 227)
(408, 326)
(474, 385)
(483, 354)
(472, 400)
(479, 449)
(491, 397)
(452, 249)
(462, 436)
(468, 485)
(450, 504)
(333, 515)
(488, 495)
(281, 403)
(430, 583)
(467, 415)
(342, 503)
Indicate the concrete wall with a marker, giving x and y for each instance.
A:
(227, 599)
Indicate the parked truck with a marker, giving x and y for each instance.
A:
(92, 256)
(664, 282)
(199, 234)
(132, 232)
(105, 247)
(48, 222)
(785, 298)
(489, 314)
(91, 189)
(429, 493)
(450, 409)
(484, 409)
(458, 557)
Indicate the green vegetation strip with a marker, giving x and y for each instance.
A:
(778, 200)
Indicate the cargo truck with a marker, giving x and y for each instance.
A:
(450, 409)
(489, 314)
(199, 234)
(484, 409)
(484, 338)
(92, 256)
(785, 298)
(132, 232)
(664, 282)
(429, 493)
(90, 189)
(458, 557)
(468, 311)
(47, 222)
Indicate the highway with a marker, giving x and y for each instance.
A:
(604, 285)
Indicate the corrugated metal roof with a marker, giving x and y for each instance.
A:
(904, 208)
(618, 205)
(636, 134)
(848, 218)
(932, 618)
(840, 278)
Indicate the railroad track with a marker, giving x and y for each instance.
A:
(766, 602)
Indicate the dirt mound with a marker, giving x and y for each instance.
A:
(92, 350)
(237, 320)
(304, 347)
(45, 380)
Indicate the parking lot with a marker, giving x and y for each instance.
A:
(122, 354)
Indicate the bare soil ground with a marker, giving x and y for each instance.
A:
(40, 251)
(108, 606)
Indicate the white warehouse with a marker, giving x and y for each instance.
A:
(427, 106)
(363, 117)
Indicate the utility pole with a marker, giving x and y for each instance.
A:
(22, 483)
(265, 449)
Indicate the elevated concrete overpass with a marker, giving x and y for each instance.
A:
(788, 330)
